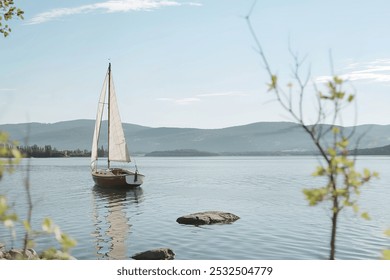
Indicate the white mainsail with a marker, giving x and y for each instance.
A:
(117, 143)
(117, 149)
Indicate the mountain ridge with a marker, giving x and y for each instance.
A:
(253, 137)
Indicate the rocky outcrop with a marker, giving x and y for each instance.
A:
(208, 217)
(31, 254)
(155, 254)
(18, 254)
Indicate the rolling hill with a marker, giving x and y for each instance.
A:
(256, 137)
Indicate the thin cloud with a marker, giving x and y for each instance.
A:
(375, 71)
(200, 97)
(220, 94)
(180, 101)
(111, 6)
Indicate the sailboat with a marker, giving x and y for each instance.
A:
(117, 147)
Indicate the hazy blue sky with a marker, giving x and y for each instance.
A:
(187, 63)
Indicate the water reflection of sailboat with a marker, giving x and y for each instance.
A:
(111, 222)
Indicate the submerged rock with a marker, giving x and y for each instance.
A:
(155, 254)
(208, 217)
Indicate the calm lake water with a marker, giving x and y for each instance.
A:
(266, 192)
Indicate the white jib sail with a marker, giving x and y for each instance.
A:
(99, 115)
(117, 148)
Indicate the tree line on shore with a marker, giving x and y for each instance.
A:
(48, 151)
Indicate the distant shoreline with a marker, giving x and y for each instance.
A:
(181, 153)
(48, 152)
(381, 151)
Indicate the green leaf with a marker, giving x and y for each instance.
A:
(337, 80)
(340, 95)
(320, 171)
(314, 196)
(342, 192)
(47, 225)
(386, 254)
(343, 143)
(3, 204)
(335, 130)
(387, 232)
(16, 153)
(332, 152)
(27, 226)
(67, 242)
(274, 82)
(30, 244)
(365, 216)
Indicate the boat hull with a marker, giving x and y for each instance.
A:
(117, 177)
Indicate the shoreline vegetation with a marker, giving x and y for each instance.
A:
(48, 151)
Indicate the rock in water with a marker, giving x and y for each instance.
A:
(19, 254)
(208, 217)
(155, 254)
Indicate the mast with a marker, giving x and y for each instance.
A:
(108, 120)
